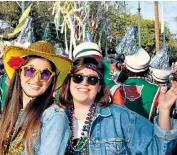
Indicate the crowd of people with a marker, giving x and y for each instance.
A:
(87, 106)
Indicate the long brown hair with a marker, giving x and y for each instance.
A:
(103, 97)
(32, 113)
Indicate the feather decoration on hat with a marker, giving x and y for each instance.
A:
(161, 59)
(128, 46)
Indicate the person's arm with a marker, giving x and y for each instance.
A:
(142, 137)
(55, 134)
(152, 139)
(145, 138)
(166, 100)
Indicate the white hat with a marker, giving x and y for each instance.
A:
(160, 65)
(137, 62)
(87, 48)
(161, 75)
(136, 58)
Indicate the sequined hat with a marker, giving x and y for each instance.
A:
(160, 66)
(136, 58)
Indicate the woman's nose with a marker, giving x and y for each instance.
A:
(36, 77)
(84, 82)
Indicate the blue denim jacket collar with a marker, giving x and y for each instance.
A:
(104, 112)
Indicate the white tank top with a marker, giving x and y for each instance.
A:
(78, 126)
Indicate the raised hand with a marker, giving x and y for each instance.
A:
(168, 98)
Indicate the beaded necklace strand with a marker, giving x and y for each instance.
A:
(80, 147)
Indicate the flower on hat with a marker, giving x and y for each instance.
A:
(16, 62)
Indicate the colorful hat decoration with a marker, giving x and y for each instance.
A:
(136, 58)
(160, 66)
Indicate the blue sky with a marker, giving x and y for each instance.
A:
(147, 11)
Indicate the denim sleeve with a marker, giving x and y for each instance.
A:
(55, 134)
(149, 139)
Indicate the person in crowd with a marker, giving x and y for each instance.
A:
(118, 76)
(118, 73)
(4, 79)
(32, 123)
(160, 67)
(100, 127)
(161, 73)
(140, 95)
(4, 84)
(92, 49)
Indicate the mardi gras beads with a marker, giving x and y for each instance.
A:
(80, 146)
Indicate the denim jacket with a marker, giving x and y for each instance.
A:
(117, 130)
(54, 133)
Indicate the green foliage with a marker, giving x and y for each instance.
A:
(118, 21)
(173, 46)
(9, 12)
(42, 15)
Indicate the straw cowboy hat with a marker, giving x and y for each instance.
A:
(43, 49)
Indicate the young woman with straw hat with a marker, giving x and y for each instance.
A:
(31, 121)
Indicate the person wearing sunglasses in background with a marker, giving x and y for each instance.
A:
(100, 127)
(31, 121)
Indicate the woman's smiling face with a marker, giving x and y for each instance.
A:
(83, 92)
(34, 86)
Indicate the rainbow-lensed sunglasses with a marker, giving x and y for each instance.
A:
(30, 71)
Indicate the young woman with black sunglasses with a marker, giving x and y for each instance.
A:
(100, 127)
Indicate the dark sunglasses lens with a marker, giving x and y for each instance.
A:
(45, 75)
(29, 71)
(92, 80)
(77, 78)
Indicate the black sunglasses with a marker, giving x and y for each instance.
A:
(91, 79)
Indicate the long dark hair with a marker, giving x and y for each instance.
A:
(103, 97)
(32, 113)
